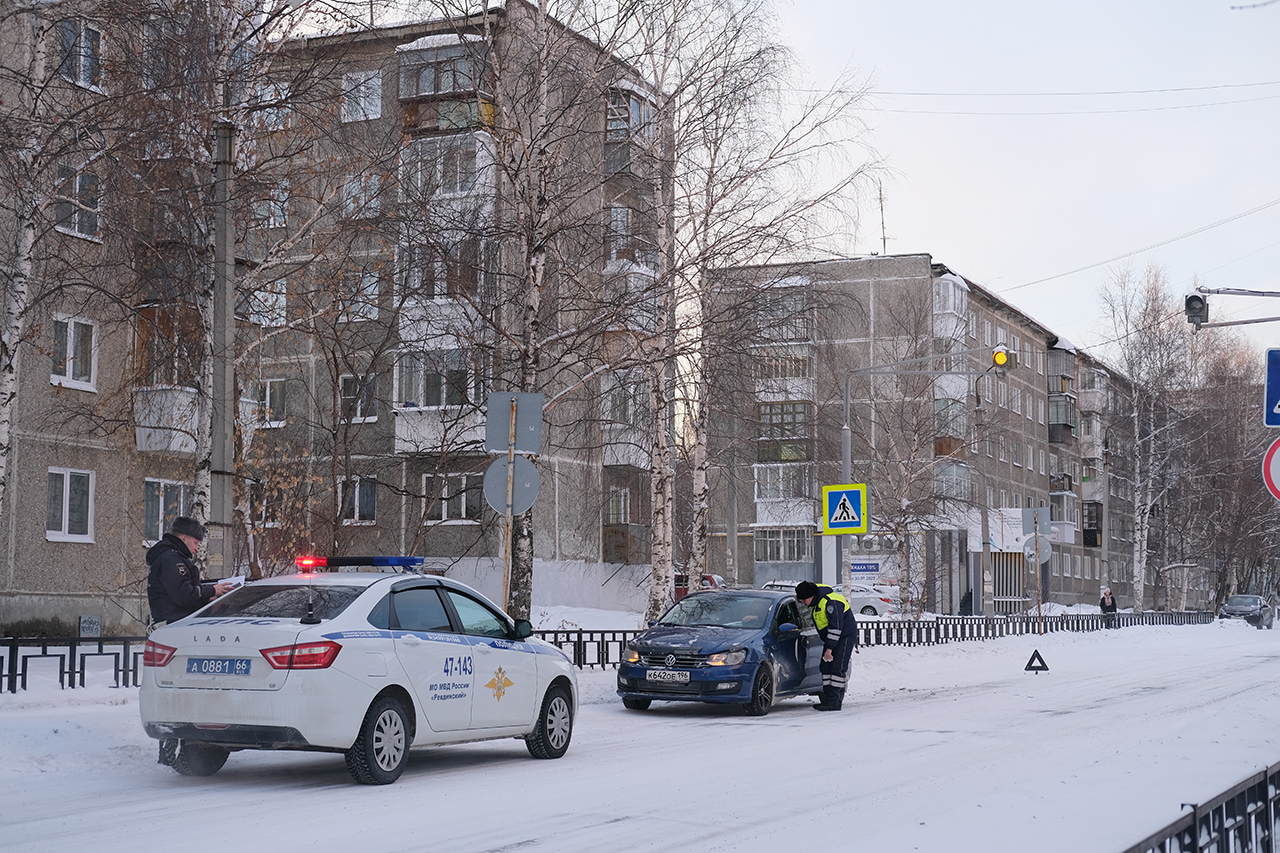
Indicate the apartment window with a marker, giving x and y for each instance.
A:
(1004, 498)
(1075, 561)
(69, 506)
(439, 378)
(441, 165)
(360, 196)
(628, 240)
(1016, 401)
(1089, 423)
(618, 510)
(1002, 394)
(1017, 499)
(784, 544)
(1053, 464)
(1040, 411)
(358, 299)
(361, 96)
(782, 365)
(779, 482)
(1053, 560)
(463, 270)
(785, 432)
(359, 496)
(625, 397)
(951, 480)
(1016, 454)
(272, 211)
(454, 497)
(440, 71)
(1000, 445)
(74, 353)
(264, 504)
(77, 202)
(81, 52)
(986, 333)
(630, 122)
(271, 403)
(169, 344)
(1041, 461)
(1030, 407)
(358, 402)
(950, 418)
(162, 502)
(268, 303)
(270, 106)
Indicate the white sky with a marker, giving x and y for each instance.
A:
(953, 747)
(1010, 199)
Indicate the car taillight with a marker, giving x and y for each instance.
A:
(886, 601)
(303, 655)
(154, 654)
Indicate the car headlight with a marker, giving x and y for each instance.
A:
(727, 658)
(630, 655)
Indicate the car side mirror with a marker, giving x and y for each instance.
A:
(786, 629)
(524, 628)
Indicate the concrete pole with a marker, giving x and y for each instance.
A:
(222, 492)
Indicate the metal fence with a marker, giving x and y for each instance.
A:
(1242, 819)
(587, 649)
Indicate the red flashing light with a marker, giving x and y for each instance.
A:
(310, 563)
(155, 654)
(303, 656)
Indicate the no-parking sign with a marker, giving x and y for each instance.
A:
(1271, 468)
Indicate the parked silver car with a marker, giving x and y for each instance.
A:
(864, 600)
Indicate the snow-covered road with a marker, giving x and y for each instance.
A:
(950, 748)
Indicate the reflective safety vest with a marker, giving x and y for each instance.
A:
(820, 619)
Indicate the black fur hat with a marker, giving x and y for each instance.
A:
(184, 525)
(806, 589)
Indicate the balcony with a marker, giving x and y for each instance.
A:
(165, 419)
(625, 446)
(423, 430)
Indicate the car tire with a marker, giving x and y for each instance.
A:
(554, 729)
(868, 611)
(199, 759)
(634, 703)
(762, 693)
(380, 752)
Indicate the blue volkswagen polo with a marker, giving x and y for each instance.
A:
(739, 647)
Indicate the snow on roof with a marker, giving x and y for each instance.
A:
(440, 40)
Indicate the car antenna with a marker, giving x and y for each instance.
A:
(311, 618)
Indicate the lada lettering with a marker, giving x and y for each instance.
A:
(209, 639)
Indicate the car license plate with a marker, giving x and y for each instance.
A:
(670, 676)
(218, 666)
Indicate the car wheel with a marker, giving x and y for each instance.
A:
(379, 754)
(761, 693)
(199, 759)
(550, 736)
(868, 611)
(633, 703)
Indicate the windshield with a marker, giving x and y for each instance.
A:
(270, 601)
(1244, 601)
(719, 609)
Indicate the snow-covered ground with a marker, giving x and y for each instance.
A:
(949, 748)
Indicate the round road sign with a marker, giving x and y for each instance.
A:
(1039, 545)
(1271, 468)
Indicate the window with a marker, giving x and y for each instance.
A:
(360, 196)
(1016, 454)
(627, 240)
(782, 365)
(77, 202)
(785, 316)
(986, 333)
(466, 269)
(1002, 394)
(1015, 401)
(81, 52)
(443, 378)
(440, 71)
(268, 303)
(359, 496)
(271, 403)
(1053, 560)
(784, 544)
(272, 211)
(69, 506)
(779, 482)
(630, 121)
(1089, 423)
(264, 504)
(950, 418)
(1004, 498)
(1017, 499)
(951, 480)
(441, 165)
(270, 105)
(359, 404)
(454, 497)
(1040, 411)
(169, 344)
(358, 299)
(361, 96)
(74, 353)
(618, 510)
(162, 502)
(1041, 461)
(625, 397)
(476, 619)
(785, 432)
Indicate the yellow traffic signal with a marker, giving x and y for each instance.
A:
(1003, 358)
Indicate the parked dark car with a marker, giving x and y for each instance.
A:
(1254, 609)
(743, 647)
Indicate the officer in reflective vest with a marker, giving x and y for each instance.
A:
(838, 628)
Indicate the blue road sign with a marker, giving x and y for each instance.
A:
(844, 508)
(1271, 406)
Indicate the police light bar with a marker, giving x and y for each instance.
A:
(310, 563)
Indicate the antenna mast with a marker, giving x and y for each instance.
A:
(884, 240)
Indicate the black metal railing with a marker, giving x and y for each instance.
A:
(1239, 820)
(587, 649)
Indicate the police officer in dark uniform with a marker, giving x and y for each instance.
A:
(174, 589)
(838, 628)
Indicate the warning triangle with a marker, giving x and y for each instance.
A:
(1037, 664)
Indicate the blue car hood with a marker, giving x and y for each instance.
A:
(696, 639)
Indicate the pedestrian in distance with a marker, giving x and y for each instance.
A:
(838, 628)
(174, 588)
(1108, 606)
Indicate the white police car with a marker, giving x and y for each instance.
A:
(351, 661)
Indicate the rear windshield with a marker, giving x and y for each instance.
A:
(721, 609)
(269, 601)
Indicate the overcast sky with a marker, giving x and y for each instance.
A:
(1019, 166)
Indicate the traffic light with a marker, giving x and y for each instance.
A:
(1197, 308)
(1003, 358)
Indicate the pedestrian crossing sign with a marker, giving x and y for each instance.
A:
(844, 508)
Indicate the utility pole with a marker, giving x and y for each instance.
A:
(221, 560)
